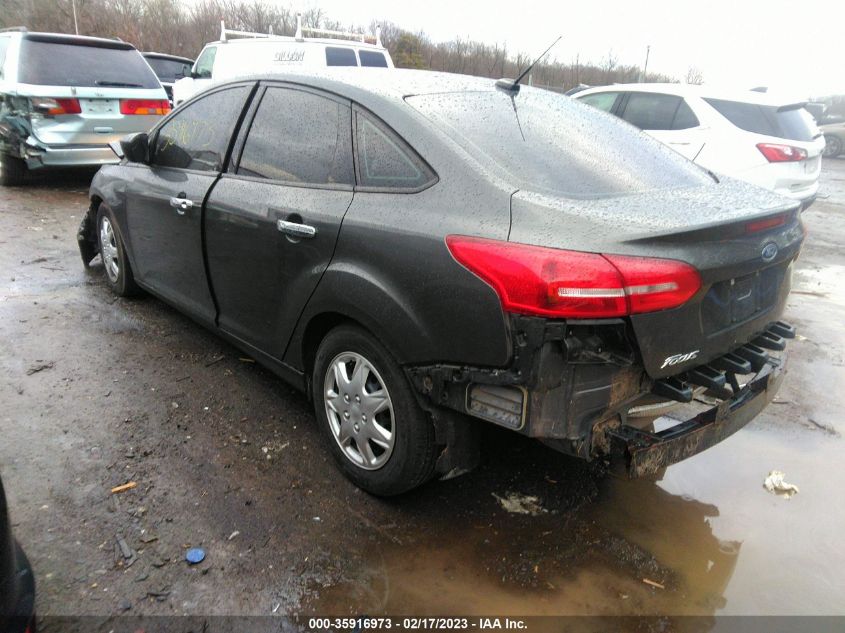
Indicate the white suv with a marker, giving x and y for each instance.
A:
(747, 135)
(255, 53)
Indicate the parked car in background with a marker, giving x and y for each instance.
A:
(418, 249)
(253, 53)
(748, 135)
(169, 69)
(834, 137)
(17, 583)
(64, 98)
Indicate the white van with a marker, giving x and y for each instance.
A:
(262, 52)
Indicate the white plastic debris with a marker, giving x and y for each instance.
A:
(775, 484)
(516, 503)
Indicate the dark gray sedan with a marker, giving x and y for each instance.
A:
(419, 251)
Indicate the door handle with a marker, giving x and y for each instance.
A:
(295, 229)
(181, 204)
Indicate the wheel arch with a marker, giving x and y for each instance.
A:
(346, 295)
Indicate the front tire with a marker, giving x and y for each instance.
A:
(113, 253)
(379, 436)
(12, 171)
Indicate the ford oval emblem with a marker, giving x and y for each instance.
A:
(769, 252)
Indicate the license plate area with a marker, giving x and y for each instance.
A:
(99, 106)
(734, 301)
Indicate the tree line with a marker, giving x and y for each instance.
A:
(169, 26)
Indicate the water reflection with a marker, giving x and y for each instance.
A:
(453, 550)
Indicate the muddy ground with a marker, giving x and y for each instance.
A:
(98, 391)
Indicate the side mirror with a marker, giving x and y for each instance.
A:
(195, 75)
(136, 148)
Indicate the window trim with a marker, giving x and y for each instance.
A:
(231, 170)
(378, 122)
(227, 157)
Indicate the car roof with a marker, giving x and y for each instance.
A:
(287, 39)
(694, 90)
(175, 58)
(389, 83)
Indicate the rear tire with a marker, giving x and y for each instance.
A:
(113, 253)
(12, 171)
(371, 422)
(833, 147)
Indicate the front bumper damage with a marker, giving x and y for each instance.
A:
(572, 386)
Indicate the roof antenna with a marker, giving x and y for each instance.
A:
(512, 85)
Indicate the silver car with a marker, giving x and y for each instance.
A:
(64, 98)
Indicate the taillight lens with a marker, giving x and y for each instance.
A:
(777, 153)
(556, 283)
(144, 106)
(55, 105)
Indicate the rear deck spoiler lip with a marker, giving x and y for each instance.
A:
(754, 214)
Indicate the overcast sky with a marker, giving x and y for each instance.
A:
(791, 46)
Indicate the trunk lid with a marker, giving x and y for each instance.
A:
(722, 230)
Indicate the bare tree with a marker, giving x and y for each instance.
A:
(694, 76)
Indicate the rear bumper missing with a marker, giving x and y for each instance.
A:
(640, 453)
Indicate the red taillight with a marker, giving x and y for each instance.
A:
(55, 105)
(776, 153)
(557, 283)
(144, 106)
(766, 223)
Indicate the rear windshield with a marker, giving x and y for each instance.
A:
(547, 142)
(169, 70)
(62, 64)
(794, 123)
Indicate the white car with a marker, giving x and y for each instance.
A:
(747, 135)
(254, 53)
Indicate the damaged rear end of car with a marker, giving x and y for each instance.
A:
(643, 296)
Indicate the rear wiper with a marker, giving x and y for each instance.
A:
(117, 84)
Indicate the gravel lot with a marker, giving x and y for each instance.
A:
(97, 392)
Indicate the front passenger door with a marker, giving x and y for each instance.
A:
(164, 199)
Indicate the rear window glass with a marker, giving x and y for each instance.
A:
(299, 137)
(547, 142)
(61, 64)
(373, 59)
(795, 124)
(340, 56)
(169, 70)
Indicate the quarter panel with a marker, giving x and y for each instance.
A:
(393, 273)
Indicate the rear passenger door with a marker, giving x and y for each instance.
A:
(273, 219)
(668, 118)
